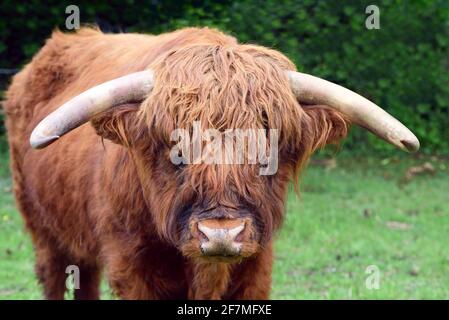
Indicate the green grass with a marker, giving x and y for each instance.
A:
(348, 218)
(328, 241)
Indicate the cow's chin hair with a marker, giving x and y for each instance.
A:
(191, 249)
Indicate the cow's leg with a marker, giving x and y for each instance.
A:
(128, 282)
(208, 280)
(144, 272)
(89, 288)
(50, 270)
(253, 278)
(50, 262)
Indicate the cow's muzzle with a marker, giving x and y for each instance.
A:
(221, 237)
(224, 240)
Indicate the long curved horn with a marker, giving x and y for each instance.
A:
(133, 87)
(313, 90)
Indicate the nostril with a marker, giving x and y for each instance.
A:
(207, 233)
(239, 237)
(202, 236)
(236, 233)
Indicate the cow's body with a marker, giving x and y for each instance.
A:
(81, 198)
(109, 194)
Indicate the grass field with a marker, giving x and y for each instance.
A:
(361, 213)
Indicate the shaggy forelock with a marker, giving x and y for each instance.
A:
(223, 87)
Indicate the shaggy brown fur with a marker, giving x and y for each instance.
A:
(107, 195)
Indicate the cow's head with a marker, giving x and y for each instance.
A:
(205, 203)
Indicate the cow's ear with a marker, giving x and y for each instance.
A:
(327, 125)
(119, 125)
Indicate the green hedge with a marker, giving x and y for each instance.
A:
(403, 66)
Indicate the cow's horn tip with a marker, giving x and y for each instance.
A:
(42, 142)
(411, 145)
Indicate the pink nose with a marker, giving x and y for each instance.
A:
(221, 237)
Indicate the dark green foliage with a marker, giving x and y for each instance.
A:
(403, 66)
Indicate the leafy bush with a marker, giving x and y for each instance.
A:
(403, 66)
